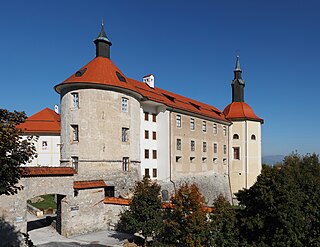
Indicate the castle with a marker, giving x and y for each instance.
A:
(115, 130)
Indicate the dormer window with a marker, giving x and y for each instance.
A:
(120, 77)
(195, 105)
(80, 72)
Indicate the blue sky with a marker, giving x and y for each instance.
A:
(189, 46)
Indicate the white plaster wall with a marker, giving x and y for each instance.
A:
(49, 156)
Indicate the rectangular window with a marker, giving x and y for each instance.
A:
(178, 144)
(124, 105)
(192, 127)
(146, 173)
(146, 134)
(215, 129)
(215, 148)
(193, 146)
(224, 149)
(75, 132)
(178, 121)
(109, 191)
(75, 100)
(204, 147)
(154, 135)
(125, 164)
(204, 126)
(146, 116)
(125, 132)
(154, 117)
(236, 153)
(154, 172)
(224, 130)
(146, 153)
(75, 162)
(154, 154)
(44, 145)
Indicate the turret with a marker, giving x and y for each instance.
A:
(237, 84)
(102, 44)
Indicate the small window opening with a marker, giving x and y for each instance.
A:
(253, 137)
(121, 77)
(109, 191)
(80, 72)
(236, 136)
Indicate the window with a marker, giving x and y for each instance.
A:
(146, 173)
(146, 134)
(224, 149)
(236, 153)
(154, 117)
(75, 132)
(204, 159)
(75, 162)
(146, 153)
(154, 135)
(125, 132)
(178, 159)
(125, 164)
(193, 146)
(236, 136)
(178, 121)
(224, 130)
(224, 161)
(75, 100)
(146, 116)
(192, 123)
(192, 159)
(214, 160)
(154, 154)
(215, 129)
(204, 126)
(178, 144)
(215, 148)
(44, 145)
(253, 137)
(204, 147)
(109, 191)
(154, 172)
(124, 105)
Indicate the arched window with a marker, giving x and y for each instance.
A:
(236, 136)
(253, 137)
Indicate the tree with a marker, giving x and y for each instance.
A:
(186, 220)
(14, 151)
(282, 208)
(144, 214)
(223, 224)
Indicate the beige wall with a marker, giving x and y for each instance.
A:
(203, 162)
(244, 171)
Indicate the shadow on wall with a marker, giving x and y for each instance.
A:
(9, 235)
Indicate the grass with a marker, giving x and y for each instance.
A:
(48, 202)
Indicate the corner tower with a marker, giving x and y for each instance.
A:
(244, 137)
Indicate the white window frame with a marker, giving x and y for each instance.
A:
(75, 132)
(192, 124)
(75, 100)
(125, 164)
(75, 162)
(124, 104)
(204, 126)
(178, 121)
(215, 129)
(125, 134)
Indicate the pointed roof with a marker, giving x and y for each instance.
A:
(240, 111)
(102, 35)
(237, 68)
(237, 73)
(45, 121)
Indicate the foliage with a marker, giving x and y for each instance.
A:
(14, 151)
(223, 228)
(186, 222)
(282, 208)
(144, 214)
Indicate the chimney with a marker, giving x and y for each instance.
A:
(56, 109)
(149, 80)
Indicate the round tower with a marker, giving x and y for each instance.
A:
(100, 122)
(244, 137)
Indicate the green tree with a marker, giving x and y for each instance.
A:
(282, 208)
(145, 211)
(186, 220)
(14, 151)
(223, 225)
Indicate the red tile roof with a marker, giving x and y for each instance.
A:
(117, 201)
(47, 171)
(45, 121)
(240, 111)
(102, 71)
(88, 184)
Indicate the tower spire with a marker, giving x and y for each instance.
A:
(102, 43)
(237, 83)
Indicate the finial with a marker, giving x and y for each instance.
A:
(102, 24)
(237, 64)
